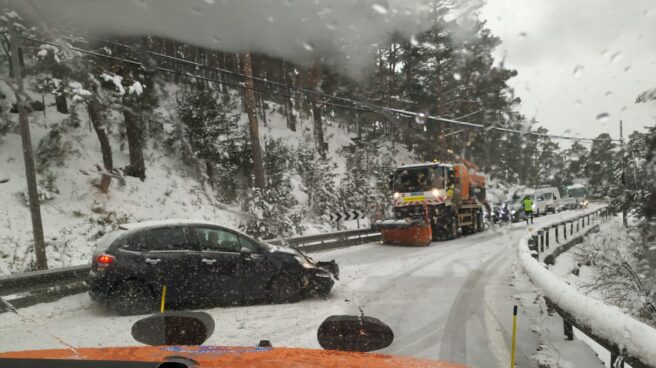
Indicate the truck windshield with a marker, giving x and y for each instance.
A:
(418, 179)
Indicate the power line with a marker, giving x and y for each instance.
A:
(368, 106)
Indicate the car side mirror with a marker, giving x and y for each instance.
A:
(245, 253)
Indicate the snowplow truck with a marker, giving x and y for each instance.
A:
(434, 201)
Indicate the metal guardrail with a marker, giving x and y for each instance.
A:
(321, 242)
(29, 288)
(567, 234)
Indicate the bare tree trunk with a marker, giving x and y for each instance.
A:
(28, 157)
(209, 168)
(319, 142)
(289, 107)
(93, 107)
(134, 134)
(249, 100)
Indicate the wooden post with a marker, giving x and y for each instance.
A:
(28, 155)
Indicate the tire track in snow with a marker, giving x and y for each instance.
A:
(454, 341)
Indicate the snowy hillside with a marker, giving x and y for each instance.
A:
(76, 213)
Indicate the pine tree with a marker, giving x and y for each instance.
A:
(318, 178)
(576, 159)
(210, 129)
(600, 168)
(270, 211)
(355, 189)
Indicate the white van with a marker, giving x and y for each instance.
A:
(546, 200)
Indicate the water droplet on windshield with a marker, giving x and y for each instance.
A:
(211, 2)
(627, 69)
(522, 34)
(578, 69)
(457, 76)
(414, 41)
(603, 117)
(579, 103)
(308, 46)
(617, 55)
(270, 19)
(380, 8)
(217, 39)
(608, 93)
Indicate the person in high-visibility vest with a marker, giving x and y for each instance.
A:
(450, 191)
(528, 208)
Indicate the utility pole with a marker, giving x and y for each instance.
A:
(28, 156)
(623, 175)
(249, 104)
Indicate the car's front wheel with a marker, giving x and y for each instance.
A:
(132, 297)
(285, 288)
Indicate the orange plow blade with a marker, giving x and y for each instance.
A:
(416, 233)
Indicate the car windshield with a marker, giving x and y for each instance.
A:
(278, 164)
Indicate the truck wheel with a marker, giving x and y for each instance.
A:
(453, 228)
(480, 224)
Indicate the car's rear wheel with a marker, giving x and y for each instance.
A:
(285, 288)
(132, 297)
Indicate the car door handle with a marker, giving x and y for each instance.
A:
(153, 261)
(208, 261)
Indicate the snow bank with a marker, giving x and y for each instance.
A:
(607, 322)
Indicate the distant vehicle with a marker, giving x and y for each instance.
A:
(516, 209)
(200, 263)
(568, 203)
(547, 200)
(580, 192)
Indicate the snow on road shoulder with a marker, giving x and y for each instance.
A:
(607, 321)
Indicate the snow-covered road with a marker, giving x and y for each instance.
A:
(449, 301)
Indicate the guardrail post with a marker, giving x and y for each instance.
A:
(571, 228)
(533, 246)
(616, 360)
(577, 225)
(564, 230)
(568, 330)
(541, 240)
(556, 228)
(547, 237)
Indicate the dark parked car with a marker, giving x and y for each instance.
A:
(201, 264)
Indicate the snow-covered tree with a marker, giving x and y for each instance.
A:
(318, 177)
(270, 212)
(211, 128)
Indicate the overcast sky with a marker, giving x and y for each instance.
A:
(578, 59)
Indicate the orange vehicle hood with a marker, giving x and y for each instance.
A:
(223, 356)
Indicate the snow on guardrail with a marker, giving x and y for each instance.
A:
(637, 338)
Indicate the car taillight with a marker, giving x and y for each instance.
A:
(104, 260)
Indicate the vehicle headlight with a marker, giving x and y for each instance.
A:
(397, 195)
(534, 206)
(436, 192)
